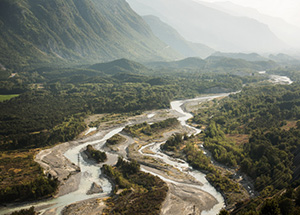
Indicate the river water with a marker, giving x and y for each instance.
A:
(90, 173)
(181, 164)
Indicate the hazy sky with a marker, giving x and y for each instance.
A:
(286, 9)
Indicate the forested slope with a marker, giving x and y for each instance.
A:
(36, 32)
(267, 119)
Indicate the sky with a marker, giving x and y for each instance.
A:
(289, 10)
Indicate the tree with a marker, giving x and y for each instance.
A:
(286, 206)
(271, 207)
(224, 212)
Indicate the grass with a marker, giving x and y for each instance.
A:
(17, 167)
(7, 97)
(238, 139)
(289, 124)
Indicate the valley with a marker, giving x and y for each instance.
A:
(61, 160)
(189, 191)
(148, 107)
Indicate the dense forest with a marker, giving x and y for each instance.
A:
(54, 102)
(268, 119)
(141, 193)
(96, 155)
(49, 104)
(22, 179)
(187, 148)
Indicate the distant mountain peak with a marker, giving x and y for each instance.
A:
(171, 37)
(214, 28)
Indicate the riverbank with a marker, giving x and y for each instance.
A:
(63, 161)
(184, 189)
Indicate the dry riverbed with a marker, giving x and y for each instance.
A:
(184, 195)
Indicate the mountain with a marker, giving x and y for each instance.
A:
(284, 59)
(219, 30)
(120, 66)
(215, 63)
(243, 56)
(78, 31)
(285, 31)
(191, 62)
(171, 37)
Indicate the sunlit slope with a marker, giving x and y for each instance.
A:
(36, 31)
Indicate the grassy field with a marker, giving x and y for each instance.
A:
(7, 97)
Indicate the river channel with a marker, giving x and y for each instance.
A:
(90, 173)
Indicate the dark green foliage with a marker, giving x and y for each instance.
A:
(271, 202)
(270, 164)
(192, 155)
(116, 139)
(146, 195)
(97, 155)
(222, 150)
(39, 188)
(197, 159)
(286, 206)
(147, 129)
(298, 197)
(120, 66)
(4, 74)
(271, 156)
(171, 122)
(268, 157)
(263, 107)
(29, 211)
(55, 95)
(54, 101)
(270, 208)
(224, 212)
(223, 184)
(173, 142)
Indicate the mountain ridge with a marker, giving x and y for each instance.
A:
(171, 37)
(36, 31)
(216, 29)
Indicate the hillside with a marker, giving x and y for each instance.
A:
(172, 38)
(34, 32)
(216, 63)
(214, 28)
(285, 59)
(243, 56)
(120, 66)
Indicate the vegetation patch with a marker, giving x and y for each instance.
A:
(269, 116)
(29, 211)
(96, 155)
(149, 130)
(185, 148)
(116, 139)
(7, 97)
(22, 179)
(142, 192)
